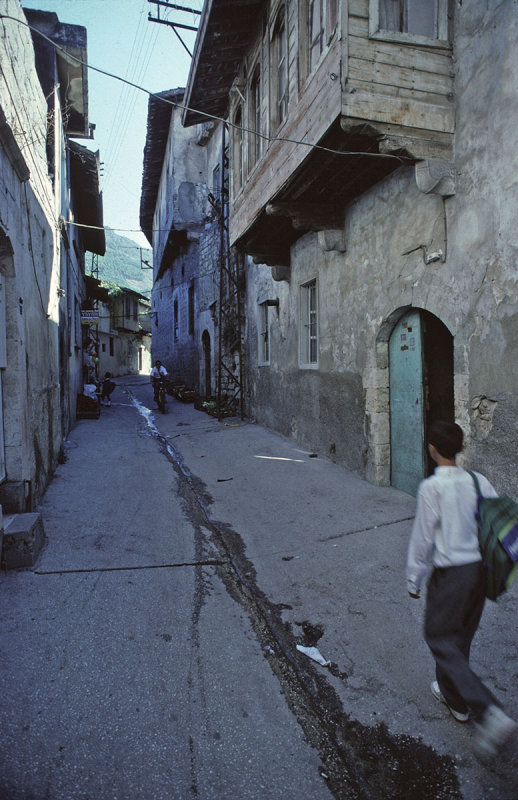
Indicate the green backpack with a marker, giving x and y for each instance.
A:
(497, 520)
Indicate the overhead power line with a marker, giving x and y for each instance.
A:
(174, 25)
(208, 116)
(141, 52)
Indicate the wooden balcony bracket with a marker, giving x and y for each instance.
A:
(270, 259)
(281, 273)
(435, 176)
(332, 240)
(308, 216)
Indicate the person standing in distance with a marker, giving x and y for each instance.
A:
(445, 534)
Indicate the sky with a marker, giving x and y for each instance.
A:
(122, 41)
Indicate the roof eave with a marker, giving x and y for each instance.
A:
(214, 67)
(160, 108)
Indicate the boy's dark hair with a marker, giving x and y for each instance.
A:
(446, 437)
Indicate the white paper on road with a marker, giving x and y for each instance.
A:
(314, 653)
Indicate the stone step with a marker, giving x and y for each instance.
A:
(22, 541)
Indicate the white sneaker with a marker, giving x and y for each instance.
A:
(494, 731)
(460, 716)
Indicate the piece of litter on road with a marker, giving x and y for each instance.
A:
(224, 480)
(313, 653)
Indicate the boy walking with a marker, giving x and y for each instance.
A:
(107, 388)
(445, 533)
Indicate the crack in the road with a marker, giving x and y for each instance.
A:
(365, 530)
(359, 762)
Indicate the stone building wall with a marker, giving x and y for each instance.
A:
(29, 266)
(186, 288)
(123, 351)
(406, 246)
(174, 341)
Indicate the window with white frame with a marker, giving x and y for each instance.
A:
(308, 330)
(216, 182)
(237, 151)
(3, 365)
(175, 319)
(316, 31)
(318, 21)
(279, 69)
(264, 333)
(191, 310)
(255, 142)
(422, 20)
(77, 323)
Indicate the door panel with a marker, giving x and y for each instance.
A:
(3, 365)
(2, 446)
(406, 404)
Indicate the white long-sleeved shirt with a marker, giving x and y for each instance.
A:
(158, 372)
(445, 529)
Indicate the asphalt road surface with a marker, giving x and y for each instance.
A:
(128, 669)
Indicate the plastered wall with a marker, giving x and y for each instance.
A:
(341, 408)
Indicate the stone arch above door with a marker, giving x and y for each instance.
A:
(376, 381)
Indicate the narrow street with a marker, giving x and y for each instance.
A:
(150, 653)
(129, 668)
(296, 217)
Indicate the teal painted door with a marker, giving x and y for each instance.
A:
(406, 404)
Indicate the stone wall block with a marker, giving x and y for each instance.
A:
(377, 399)
(23, 540)
(379, 428)
(462, 393)
(382, 355)
(379, 474)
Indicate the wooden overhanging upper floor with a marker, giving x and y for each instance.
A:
(323, 99)
(62, 61)
(87, 197)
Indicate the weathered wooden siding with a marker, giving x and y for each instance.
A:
(310, 114)
(397, 83)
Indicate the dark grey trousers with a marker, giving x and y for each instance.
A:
(454, 604)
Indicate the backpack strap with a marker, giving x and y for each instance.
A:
(479, 494)
(475, 481)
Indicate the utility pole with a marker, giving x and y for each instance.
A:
(174, 25)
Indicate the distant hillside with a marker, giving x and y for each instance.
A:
(121, 264)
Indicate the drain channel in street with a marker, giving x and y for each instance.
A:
(359, 762)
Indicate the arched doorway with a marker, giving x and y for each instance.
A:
(207, 358)
(421, 391)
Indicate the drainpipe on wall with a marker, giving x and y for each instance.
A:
(221, 258)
